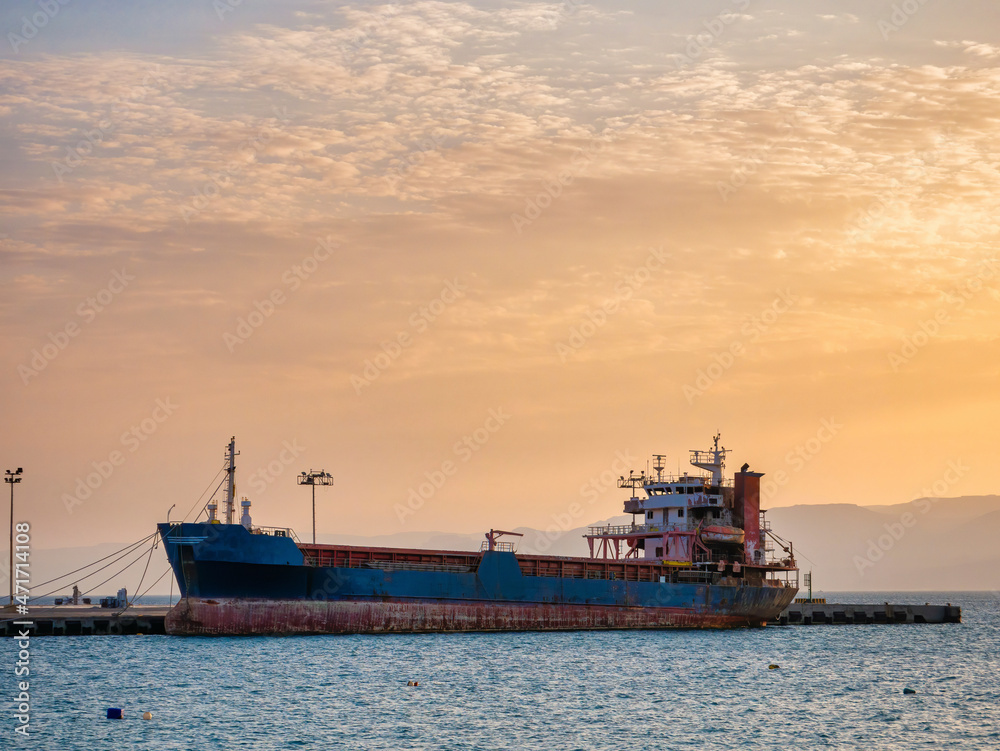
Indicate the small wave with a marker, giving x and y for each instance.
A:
(885, 717)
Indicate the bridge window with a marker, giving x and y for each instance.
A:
(649, 514)
(680, 513)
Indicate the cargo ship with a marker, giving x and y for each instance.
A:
(697, 554)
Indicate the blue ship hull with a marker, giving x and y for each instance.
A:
(235, 582)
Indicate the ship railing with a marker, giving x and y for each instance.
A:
(506, 547)
(276, 532)
(418, 566)
(635, 529)
(695, 576)
(615, 529)
(642, 479)
(708, 456)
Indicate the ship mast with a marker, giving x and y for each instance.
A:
(713, 460)
(659, 466)
(231, 454)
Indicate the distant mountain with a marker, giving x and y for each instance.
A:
(941, 544)
(927, 544)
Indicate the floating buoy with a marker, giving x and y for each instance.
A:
(772, 666)
(909, 691)
(115, 713)
(147, 715)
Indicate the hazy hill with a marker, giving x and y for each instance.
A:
(929, 544)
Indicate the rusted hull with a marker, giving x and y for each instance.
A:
(196, 616)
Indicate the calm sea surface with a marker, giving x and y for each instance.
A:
(837, 687)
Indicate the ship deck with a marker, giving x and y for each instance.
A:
(400, 559)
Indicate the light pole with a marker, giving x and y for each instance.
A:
(10, 478)
(314, 478)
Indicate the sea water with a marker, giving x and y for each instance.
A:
(835, 687)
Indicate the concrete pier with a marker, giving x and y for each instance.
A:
(823, 613)
(71, 620)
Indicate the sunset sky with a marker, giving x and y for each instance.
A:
(498, 247)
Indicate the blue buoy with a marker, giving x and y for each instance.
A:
(115, 713)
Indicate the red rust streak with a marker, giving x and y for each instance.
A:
(248, 617)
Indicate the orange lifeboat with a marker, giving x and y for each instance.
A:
(722, 534)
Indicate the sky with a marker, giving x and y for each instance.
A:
(478, 260)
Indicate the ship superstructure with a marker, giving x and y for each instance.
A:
(700, 521)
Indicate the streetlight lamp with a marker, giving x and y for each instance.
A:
(313, 478)
(10, 478)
